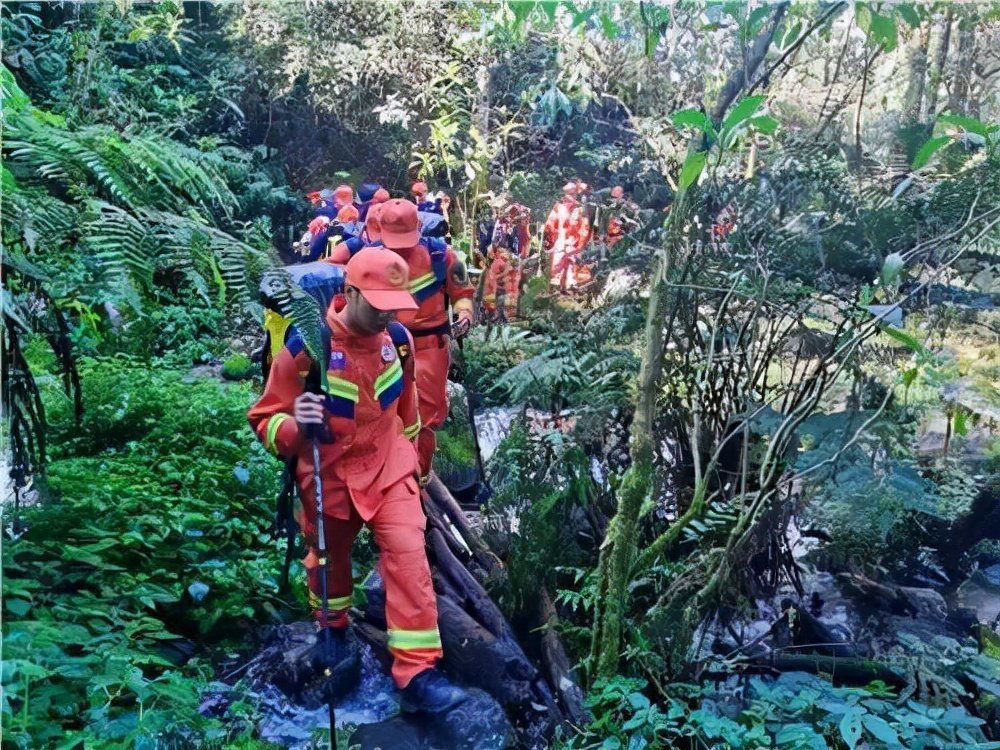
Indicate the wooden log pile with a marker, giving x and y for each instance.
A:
(481, 650)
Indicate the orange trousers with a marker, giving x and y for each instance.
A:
(503, 280)
(431, 359)
(410, 605)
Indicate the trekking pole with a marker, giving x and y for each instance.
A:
(324, 595)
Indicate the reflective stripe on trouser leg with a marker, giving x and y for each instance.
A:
(431, 361)
(339, 578)
(410, 604)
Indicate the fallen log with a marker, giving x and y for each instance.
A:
(556, 665)
(441, 499)
(480, 647)
(884, 597)
(465, 589)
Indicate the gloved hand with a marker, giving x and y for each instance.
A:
(461, 327)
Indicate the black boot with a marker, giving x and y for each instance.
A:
(431, 692)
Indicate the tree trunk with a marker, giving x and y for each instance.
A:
(961, 85)
(619, 550)
(940, 60)
(916, 74)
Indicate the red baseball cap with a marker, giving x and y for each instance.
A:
(372, 225)
(381, 196)
(419, 188)
(382, 277)
(347, 214)
(400, 224)
(344, 194)
(318, 224)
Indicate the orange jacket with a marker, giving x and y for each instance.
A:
(430, 293)
(372, 417)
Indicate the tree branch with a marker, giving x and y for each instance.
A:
(737, 81)
(763, 80)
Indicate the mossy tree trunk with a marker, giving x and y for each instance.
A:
(619, 550)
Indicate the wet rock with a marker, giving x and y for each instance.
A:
(807, 343)
(988, 577)
(477, 723)
(927, 602)
(287, 663)
(178, 652)
(292, 726)
(215, 699)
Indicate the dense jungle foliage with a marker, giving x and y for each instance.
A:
(751, 477)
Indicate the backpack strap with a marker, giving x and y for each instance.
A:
(401, 340)
(354, 244)
(437, 248)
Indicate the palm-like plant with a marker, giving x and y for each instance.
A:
(125, 211)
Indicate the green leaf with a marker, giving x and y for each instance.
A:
(764, 123)
(693, 118)
(863, 17)
(14, 99)
(883, 31)
(929, 149)
(581, 17)
(908, 13)
(906, 340)
(850, 728)
(892, 267)
(790, 35)
(745, 109)
(549, 7)
(609, 27)
(756, 19)
(880, 729)
(521, 10)
(691, 170)
(652, 39)
(17, 607)
(638, 700)
(961, 422)
(969, 124)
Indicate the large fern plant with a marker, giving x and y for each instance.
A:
(89, 216)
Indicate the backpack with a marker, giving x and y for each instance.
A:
(438, 250)
(322, 281)
(432, 224)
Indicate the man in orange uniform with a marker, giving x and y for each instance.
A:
(567, 231)
(623, 216)
(509, 246)
(367, 464)
(437, 277)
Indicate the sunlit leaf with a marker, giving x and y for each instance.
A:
(694, 163)
(928, 150)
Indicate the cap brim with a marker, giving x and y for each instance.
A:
(393, 240)
(388, 299)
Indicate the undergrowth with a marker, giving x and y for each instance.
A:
(147, 555)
